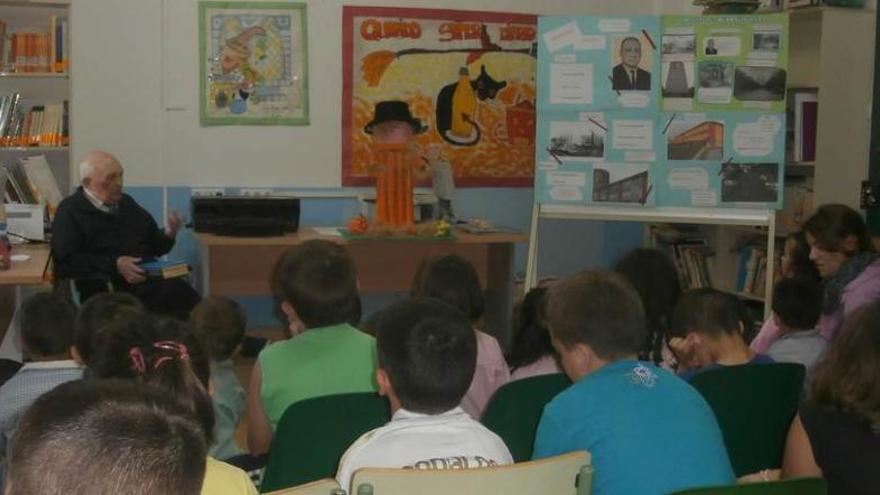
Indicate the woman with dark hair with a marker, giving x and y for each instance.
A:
(164, 352)
(844, 255)
(655, 278)
(531, 353)
(837, 431)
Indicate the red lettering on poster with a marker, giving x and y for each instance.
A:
(375, 30)
(518, 33)
(456, 31)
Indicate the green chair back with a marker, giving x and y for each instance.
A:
(313, 434)
(754, 406)
(805, 486)
(515, 409)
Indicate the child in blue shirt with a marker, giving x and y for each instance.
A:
(46, 325)
(219, 324)
(706, 332)
(648, 432)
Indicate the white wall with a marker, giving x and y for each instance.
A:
(135, 91)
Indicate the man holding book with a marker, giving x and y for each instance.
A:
(101, 235)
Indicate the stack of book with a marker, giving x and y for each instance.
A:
(165, 269)
(689, 250)
(36, 50)
(32, 125)
(30, 181)
(728, 6)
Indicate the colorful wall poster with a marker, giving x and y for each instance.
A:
(253, 67)
(728, 153)
(467, 78)
(717, 62)
(599, 63)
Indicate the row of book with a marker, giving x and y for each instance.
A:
(33, 125)
(752, 270)
(689, 250)
(36, 50)
(30, 180)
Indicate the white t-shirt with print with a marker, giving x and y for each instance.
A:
(450, 440)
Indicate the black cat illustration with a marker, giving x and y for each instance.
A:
(452, 111)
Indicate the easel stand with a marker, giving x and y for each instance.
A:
(672, 215)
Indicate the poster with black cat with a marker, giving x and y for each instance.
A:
(467, 78)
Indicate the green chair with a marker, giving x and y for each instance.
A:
(754, 406)
(313, 434)
(804, 486)
(515, 409)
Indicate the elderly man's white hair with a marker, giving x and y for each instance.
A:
(89, 162)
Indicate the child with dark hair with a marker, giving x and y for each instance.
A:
(163, 352)
(105, 437)
(706, 332)
(46, 326)
(427, 356)
(795, 261)
(648, 432)
(836, 434)
(453, 279)
(219, 325)
(315, 284)
(654, 276)
(797, 304)
(531, 353)
(94, 315)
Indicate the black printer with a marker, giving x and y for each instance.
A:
(245, 216)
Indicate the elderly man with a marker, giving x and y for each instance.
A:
(627, 75)
(100, 234)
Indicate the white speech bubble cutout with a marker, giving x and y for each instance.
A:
(688, 179)
(757, 138)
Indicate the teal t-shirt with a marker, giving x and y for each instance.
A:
(648, 431)
(320, 361)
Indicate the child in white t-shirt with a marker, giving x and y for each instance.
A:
(427, 355)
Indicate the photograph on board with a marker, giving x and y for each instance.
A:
(749, 182)
(577, 140)
(621, 183)
(678, 79)
(631, 61)
(759, 84)
(695, 140)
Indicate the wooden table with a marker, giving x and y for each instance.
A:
(243, 265)
(27, 272)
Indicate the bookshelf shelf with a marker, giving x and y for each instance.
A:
(746, 295)
(35, 75)
(800, 170)
(19, 149)
(34, 93)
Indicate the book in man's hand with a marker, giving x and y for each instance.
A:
(164, 269)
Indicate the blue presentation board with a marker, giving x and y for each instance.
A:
(661, 111)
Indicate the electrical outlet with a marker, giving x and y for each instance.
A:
(208, 191)
(256, 191)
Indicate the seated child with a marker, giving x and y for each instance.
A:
(163, 352)
(531, 352)
(797, 305)
(316, 284)
(706, 332)
(93, 316)
(219, 325)
(427, 355)
(105, 437)
(46, 326)
(454, 280)
(648, 432)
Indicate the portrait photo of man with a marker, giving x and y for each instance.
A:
(627, 75)
(710, 47)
